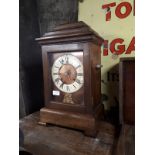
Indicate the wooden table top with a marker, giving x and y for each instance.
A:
(54, 140)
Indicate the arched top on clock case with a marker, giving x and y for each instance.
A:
(73, 32)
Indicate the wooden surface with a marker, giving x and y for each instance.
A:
(126, 142)
(54, 140)
(127, 90)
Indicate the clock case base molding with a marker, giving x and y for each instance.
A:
(85, 122)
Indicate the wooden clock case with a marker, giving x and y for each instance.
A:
(80, 40)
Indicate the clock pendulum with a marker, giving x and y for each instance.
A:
(72, 77)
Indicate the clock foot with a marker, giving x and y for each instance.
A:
(42, 123)
(91, 133)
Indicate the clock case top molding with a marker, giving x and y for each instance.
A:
(80, 40)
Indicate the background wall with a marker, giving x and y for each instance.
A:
(30, 65)
(36, 18)
(56, 12)
(118, 33)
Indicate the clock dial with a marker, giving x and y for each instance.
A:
(67, 73)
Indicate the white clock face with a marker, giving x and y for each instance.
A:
(67, 73)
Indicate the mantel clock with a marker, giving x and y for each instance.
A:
(72, 77)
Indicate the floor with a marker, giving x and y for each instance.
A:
(54, 140)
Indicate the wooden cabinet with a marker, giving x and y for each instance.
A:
(127, 90)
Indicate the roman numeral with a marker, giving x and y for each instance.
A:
(61, 86)
(79, 74)
(67, 59)
(55, 73)
(61, 61)
(67, 87)
(74, 86)
(57, 80)
(77, 66)
(78, 81)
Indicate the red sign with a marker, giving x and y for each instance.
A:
(118, 47)
(128, 9)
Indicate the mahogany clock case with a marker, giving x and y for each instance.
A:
(83, 113)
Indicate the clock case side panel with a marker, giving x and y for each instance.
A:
(45, 74)
(64, 47)
(95, 105)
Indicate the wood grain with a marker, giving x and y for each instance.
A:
(126, 141)
(127, 90)
(55, 140)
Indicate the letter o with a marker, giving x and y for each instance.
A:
(128, 8)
